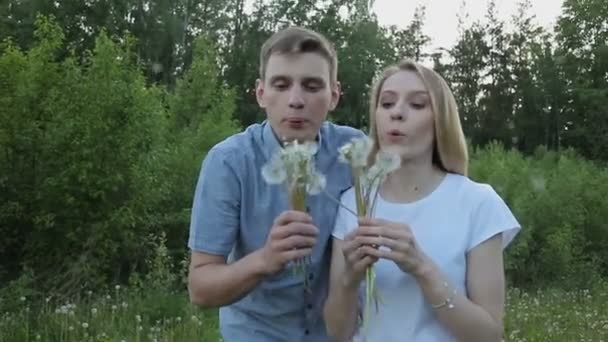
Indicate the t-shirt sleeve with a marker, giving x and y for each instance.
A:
(492, 217)
(215, 210)
(345, 220)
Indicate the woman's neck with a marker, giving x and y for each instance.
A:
(411, 182)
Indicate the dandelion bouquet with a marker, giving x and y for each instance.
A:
(293, 167)
(366, 182)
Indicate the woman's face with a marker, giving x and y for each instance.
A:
(404, 117)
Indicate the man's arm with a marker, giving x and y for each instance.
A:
(213, 283)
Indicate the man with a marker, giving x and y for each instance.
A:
(243, 235)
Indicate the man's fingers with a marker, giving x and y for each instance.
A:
(294, 242)
(289, 216)
(295, 254)
(294, 228)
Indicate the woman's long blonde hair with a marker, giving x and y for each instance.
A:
(450, 150)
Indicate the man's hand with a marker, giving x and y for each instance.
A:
(291, 237)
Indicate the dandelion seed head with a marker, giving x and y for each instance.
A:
(317, 184)
(22, 299)
(274, 172)
(85, 325)
(356, 152)
(293, 165)
(387, 161)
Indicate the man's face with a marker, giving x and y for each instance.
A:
(297, 94)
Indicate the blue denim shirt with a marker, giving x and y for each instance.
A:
(232, 213)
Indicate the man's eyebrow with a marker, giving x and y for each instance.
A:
(280, 78)
(314, 79)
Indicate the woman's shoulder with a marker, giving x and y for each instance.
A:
(473, 191)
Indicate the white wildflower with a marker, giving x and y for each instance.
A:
(293, 165)
(367, 180)
(22, 299)
(317, 184)
(85, 325)
(274, 172)
(356, 152)
(94, 311)
(388, 162)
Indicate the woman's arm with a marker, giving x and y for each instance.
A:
(341, 306)
(480, 316)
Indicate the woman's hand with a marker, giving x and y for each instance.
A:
(401, 246)
(356, 261)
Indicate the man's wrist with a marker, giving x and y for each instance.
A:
(258, 263)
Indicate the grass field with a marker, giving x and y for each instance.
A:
(125, 315)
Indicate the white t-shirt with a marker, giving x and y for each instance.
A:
(457, 216)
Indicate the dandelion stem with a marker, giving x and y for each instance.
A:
(340, 203)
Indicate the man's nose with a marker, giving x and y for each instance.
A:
(296, 98)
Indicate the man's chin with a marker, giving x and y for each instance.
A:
(299, 135)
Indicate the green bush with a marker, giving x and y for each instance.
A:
(93, 160)
(96, 166)
(560, 201)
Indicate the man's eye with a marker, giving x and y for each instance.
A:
(313, 87)
(386, 104)
(280, 86)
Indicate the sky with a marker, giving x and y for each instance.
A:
(441, 15)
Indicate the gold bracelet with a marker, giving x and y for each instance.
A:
(448, 301)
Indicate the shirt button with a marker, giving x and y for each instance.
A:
(306, 332)
(311, 276)
(309, 306)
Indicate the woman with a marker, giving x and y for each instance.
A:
(439, 236)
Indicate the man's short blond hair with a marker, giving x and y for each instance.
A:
(299, 40)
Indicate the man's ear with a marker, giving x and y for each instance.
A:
(336, 91)
(259, 92)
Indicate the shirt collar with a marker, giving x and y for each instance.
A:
(271, 142)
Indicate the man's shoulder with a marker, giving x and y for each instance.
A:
(236, 145)
(340, 134)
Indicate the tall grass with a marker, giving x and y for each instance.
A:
(146, 316)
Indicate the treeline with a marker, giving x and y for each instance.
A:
(107, 109)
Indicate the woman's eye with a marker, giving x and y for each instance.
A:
(386, 104)
(418, 105)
